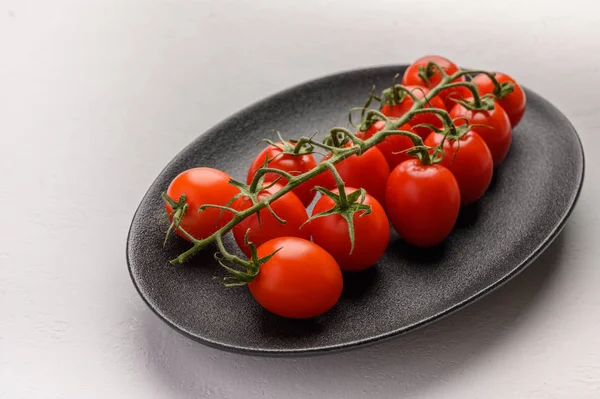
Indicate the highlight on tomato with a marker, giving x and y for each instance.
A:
(284, 218)
(193, 188)
(352, 227)
(420, 74)
(423, 201)
(281, 156)
(300, 281)
(470, 161)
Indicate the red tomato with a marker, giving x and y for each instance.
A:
(496, 133)
(288, 208)
(406, 104)
(369, 171)
(411, 78)
(513, 103)
(469, 160)
(293, 164)
(423, 202)
(371, 234)
(392, 146)
(300, 281)
(202, 186)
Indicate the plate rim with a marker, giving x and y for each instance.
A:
(354, 344)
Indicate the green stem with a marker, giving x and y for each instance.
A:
(472, 88)
(340, 185)
(491, 75)
(443, 114)
(338, 156)
(263, 171)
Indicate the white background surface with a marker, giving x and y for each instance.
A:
(97, 96)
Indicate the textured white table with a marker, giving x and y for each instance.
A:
(96, 97)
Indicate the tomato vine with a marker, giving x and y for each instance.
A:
(333, 144)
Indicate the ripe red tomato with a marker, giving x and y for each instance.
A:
(288, 207)
(397, 110)
(391, 147)
(371, 233)
(293, 164)
(496, 131)
(369, 171)
(469, 160)
(411, 78)
(300, 281)
(423, 202)
(513, 103)
(202, 186)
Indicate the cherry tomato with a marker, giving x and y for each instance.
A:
(423, 202)
(300, 281)
(496, 131)
(288, 207)
(371, 233)
(391, 147)
(406, 104)
(469, 160)
(513, 103)
(369, 171)
(411, 78)
(293, 164)
(202, 186)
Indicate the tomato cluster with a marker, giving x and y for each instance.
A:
(439, 153)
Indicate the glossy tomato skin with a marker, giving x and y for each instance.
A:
(470, 161)
(288, 207)
(496, 130)
(423, 202)
(371, 234)
(202, 186)
(513, 103)
(370, 171)
(300, 281)
(397, 110)
(411, 78)
(293, 164)
(391, 147)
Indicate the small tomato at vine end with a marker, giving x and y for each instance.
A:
(418, 75)
(202, 186)
(300, 281)
(493, 127)
(513, 103)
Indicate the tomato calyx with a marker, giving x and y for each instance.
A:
(393, 95)
(503, 90)
(251, 192)
(249, 268)
(346, 206)
(292, 147)
(426, 72)
(176, 215)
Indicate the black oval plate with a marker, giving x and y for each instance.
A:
(532, 195)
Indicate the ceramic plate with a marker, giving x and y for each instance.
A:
(528, 203)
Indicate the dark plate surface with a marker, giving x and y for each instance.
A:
(532, 195)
